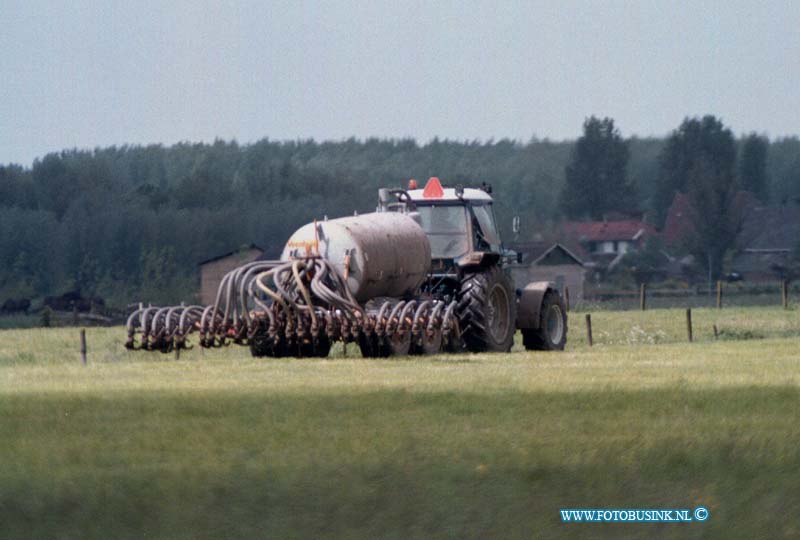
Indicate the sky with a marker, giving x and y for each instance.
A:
(86, 74)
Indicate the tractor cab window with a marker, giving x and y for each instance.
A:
(446, 227)
(487, 237)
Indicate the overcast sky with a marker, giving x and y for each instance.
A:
(84, 73)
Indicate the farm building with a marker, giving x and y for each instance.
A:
(678, 226)
(769, 236)
(604, 243)
(545, 261)
(213, 270)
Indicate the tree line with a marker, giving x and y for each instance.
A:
(701, 159)
(132, 222)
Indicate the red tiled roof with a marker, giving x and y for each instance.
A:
(678, 224)
(600, 231)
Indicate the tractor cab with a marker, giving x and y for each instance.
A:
(459, 222)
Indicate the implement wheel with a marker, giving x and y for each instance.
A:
(318, 348)
(552, 332)
(399, 345)
(431, 343)
(487, 311)
(373, 347)
(262, 345)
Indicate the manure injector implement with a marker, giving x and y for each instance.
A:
(423, 274)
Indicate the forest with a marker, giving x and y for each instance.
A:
(131, 223)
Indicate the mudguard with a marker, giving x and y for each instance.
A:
(529, 303)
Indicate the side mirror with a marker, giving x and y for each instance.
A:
(515, 225)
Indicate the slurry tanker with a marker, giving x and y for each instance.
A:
(425, 273)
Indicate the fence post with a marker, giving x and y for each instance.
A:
(719, 294)
(83, 346)
(566, 296)
(643, 296)
(689, 323)
(716, 332)
(785, 293)
(589, 329)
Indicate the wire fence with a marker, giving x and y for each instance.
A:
(722, 295)
(688, 325)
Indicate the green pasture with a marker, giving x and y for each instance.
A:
(220, 445)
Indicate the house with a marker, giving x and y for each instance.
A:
(604, 243)
(678, 226)
(546, 261)
(213, 270)
(769, 236)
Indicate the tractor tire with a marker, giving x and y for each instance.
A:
(487, 311)
(552, 332)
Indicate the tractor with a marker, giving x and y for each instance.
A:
(470, 266)
(423, 274)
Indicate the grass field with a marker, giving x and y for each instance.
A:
(219, 445)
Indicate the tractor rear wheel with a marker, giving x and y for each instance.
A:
(552, 332)
(487, 311)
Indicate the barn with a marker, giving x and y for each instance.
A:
(543, 261)
(767, 243)
(213, 270)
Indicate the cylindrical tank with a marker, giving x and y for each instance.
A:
(386, 253)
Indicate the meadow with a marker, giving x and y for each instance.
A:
(221, 445)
